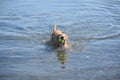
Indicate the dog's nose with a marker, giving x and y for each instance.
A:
(62, 37)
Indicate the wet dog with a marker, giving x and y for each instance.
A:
(59, 39)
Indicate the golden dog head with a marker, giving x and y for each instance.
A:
(59, 39)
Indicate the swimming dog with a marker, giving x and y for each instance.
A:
(58, 38)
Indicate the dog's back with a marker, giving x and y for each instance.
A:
(57, 32)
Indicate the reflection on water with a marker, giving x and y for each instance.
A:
(62, 57)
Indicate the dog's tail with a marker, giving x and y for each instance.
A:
(54, 27)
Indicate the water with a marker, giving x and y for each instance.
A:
(93, 27)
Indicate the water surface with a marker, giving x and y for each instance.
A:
(93, 27)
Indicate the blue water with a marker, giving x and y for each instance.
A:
(93, 27)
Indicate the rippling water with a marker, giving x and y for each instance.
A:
(93, 27)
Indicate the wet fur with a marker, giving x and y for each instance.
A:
(54, 38)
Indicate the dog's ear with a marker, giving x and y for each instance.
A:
(66, 37)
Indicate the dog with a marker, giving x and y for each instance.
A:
(59, 39)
